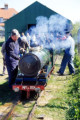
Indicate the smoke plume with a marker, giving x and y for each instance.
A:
(50, 32)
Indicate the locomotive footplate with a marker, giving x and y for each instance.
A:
(28, 88)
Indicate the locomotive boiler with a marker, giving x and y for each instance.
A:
(31, 63)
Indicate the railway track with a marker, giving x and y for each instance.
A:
(12, 110)
(11, 107)
(8, 115)
(31, 112)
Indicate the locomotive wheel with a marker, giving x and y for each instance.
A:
(37, 94)
(23, 95)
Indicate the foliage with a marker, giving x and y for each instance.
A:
(74, 93)
(76, 26)
(77, 59)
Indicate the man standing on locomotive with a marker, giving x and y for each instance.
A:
(12, 56)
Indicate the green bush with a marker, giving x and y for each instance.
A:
(73, 112)
(76, 59)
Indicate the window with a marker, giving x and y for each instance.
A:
(1, 20)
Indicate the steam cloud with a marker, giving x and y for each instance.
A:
(48, 32)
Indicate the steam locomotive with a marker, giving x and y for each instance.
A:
(35, 67)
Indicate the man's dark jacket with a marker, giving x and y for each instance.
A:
(12, 53)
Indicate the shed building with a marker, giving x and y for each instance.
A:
(27, 17)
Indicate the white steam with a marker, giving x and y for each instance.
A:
(48, 32)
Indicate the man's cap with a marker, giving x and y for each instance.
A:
(15, 32)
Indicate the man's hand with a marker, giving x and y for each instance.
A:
(22, 49)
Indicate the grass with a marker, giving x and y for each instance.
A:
(58, 102)
(1, 42)
(53, 102)
(74, 93)
(22, 110)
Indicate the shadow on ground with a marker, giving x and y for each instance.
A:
(6, 94)
(54, 106)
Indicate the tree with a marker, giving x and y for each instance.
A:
(75, 29)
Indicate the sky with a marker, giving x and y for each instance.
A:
(68, 8)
